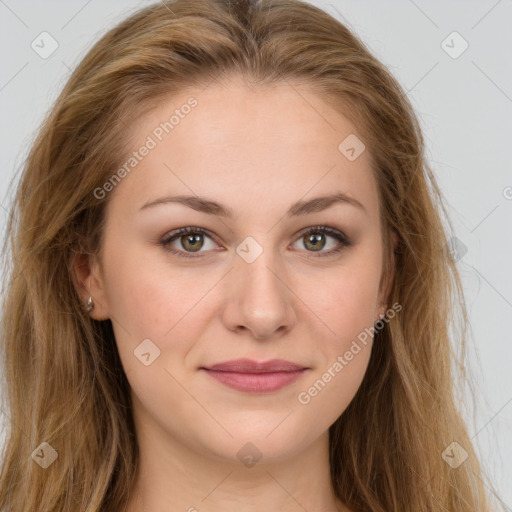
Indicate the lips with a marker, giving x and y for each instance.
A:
(250, 366)
(255, 377)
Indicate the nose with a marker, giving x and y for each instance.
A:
(258, 299)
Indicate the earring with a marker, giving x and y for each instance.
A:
(90, 305)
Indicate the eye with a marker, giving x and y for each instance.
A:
(191, 240)
(314, 239)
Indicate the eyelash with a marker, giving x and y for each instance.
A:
(343, 240)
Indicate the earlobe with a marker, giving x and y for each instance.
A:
(88, 283)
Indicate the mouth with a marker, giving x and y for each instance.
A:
(256, 377)
(255, 382)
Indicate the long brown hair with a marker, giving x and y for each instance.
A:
(64, 380)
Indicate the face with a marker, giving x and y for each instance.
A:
(266, 270)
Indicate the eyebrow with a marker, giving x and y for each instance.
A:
(210, 207)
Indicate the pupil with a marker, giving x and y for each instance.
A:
(316, 240)
(194, 241)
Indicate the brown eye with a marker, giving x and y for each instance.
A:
(192, 242)
(187, 241)
(317, 238)
(315, 242)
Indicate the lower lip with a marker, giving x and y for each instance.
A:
(256, 382)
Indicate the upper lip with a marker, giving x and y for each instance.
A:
(250, 366)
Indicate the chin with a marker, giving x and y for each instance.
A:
(270, 442)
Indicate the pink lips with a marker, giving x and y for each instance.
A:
(256, 377)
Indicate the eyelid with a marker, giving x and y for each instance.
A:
(343, 240)
(324, 228)
(168, 238)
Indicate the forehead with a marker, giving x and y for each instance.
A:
(248, 145)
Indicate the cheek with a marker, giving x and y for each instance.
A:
(344, 299)
(330, 391)
(347, 307)
(160, 397)
(345, 302)
(150, 296)
(147, 305)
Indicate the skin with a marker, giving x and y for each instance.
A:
(256, 150)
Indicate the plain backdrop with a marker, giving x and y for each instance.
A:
(454, 60)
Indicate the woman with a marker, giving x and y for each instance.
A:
(230, 286)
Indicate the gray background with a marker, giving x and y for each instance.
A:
(464, 105)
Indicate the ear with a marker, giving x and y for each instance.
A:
(386, 282)
(89, 282)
